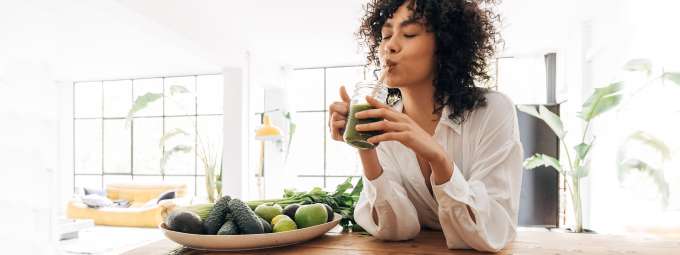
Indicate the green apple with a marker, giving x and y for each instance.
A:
(311, 215)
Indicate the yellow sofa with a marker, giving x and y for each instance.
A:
(139, 214)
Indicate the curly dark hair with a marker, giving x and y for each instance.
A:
(465, 39)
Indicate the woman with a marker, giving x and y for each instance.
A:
(450, 156)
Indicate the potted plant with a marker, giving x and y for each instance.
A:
(575, 168)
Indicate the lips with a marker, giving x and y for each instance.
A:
(390, 65)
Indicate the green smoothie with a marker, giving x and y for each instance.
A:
(352, 136)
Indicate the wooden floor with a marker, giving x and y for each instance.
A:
(430, 242)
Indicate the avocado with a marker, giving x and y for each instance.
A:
(329, 210)
(184, 221)
(290, 210)
(266, 226)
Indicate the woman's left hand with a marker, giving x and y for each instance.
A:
(397, 126)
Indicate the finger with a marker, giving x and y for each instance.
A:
(381, 113)
(388, 136)
(339, 107)
(338, 124)
(344, 95)
(376, 103)
(386, 126)
(336, 116)
(336, 133)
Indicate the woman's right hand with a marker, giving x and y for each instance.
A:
(338, 112)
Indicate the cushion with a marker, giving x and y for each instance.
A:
(96, 201)
(170, 194)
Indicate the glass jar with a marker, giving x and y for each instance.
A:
(357, 104)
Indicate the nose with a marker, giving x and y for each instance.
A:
(391, 46)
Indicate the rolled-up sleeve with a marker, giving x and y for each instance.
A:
(491, 193)
(387, 197)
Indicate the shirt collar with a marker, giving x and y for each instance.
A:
(443, 120)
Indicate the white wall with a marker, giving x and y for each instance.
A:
(29, 149)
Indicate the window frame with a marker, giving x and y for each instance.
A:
(324, 175)
(101, 117)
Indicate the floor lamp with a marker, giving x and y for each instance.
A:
(266, 132)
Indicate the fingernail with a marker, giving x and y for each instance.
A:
(360, 126)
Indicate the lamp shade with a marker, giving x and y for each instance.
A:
(267, 132)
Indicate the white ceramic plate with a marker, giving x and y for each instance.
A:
(248, 242)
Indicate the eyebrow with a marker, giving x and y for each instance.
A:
(404, 23)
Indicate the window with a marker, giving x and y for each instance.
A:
(107, 148)
(319, 160)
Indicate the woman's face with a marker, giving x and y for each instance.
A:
(407, 48)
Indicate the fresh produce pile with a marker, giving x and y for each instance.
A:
(342, 201)
(231, 216)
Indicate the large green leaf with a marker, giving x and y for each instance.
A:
(529, 109)
(652, 142)
(582, 150)
(142, 102)
(672, 76)
(657, 175)
(171, 134)
(602, 100)
(178, 89)
(543, 160)
(174, 150)
(552, 120)
(639, 65)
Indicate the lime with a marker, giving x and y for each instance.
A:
(268, 212)
(284, 224)
(277, 218)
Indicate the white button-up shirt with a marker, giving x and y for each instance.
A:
(487, 176)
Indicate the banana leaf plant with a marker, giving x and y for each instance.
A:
(574, 168)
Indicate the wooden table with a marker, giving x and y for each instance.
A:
(429, 242)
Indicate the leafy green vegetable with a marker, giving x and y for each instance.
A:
(342, 200)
